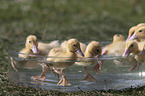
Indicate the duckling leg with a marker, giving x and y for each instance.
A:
(136, 65)
(63, 80)
(13, 64)
(134, 62)
(98, 66)
(88, 76)
(42, 76)
(56, 72)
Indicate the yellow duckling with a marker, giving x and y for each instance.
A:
(132, 48)
(60, 59)
(116, 48)
(82, 46)
(93, 50)
(133, 29)
(31, 47)
(34, 47)
(139, 33)
(73, 46)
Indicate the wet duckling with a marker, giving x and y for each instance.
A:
(60, 59)
(132, 48)
(93, 50)
(116, 48)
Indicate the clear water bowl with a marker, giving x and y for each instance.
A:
(113, 75)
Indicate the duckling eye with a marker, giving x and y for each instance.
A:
(98, 50)
(131, 45)
(74, 45)
(140, 31)
(29, 41)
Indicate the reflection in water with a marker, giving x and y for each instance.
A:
(111, 76)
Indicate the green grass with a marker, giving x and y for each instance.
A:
(63, 19)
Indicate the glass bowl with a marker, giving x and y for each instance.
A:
(113, 75)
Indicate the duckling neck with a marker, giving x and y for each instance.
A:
(89, 54)
(71, 53)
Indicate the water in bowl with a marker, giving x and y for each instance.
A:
(114, 74)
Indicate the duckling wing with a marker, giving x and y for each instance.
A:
(24, 53)
(115, 49)
(44, 48)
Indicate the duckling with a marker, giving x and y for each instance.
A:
(131, 31)
(34, 47)
(116, 48)
(118, 38)
(31, 47)
(139, 25)
(62, 59)
(132, 48)
(139, 33)
(82, 46)
(93, 50)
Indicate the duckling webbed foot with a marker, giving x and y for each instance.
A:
(98, 66)
(88, 76)
(37, 78)
(136, 65)
(42, 76)
(63, 81)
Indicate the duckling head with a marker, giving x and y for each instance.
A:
(131, 32)
(93, 49)
(118, 37)
(73, 45)
(139, 33)
(31, 43)
(139, 25)
(131, 47)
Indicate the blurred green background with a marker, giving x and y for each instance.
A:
(64, 19)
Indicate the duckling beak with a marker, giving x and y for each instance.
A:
(128, 38)
(126, 53)
(35, 49)
(132, 37)
(79, 51)
(97, 56)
